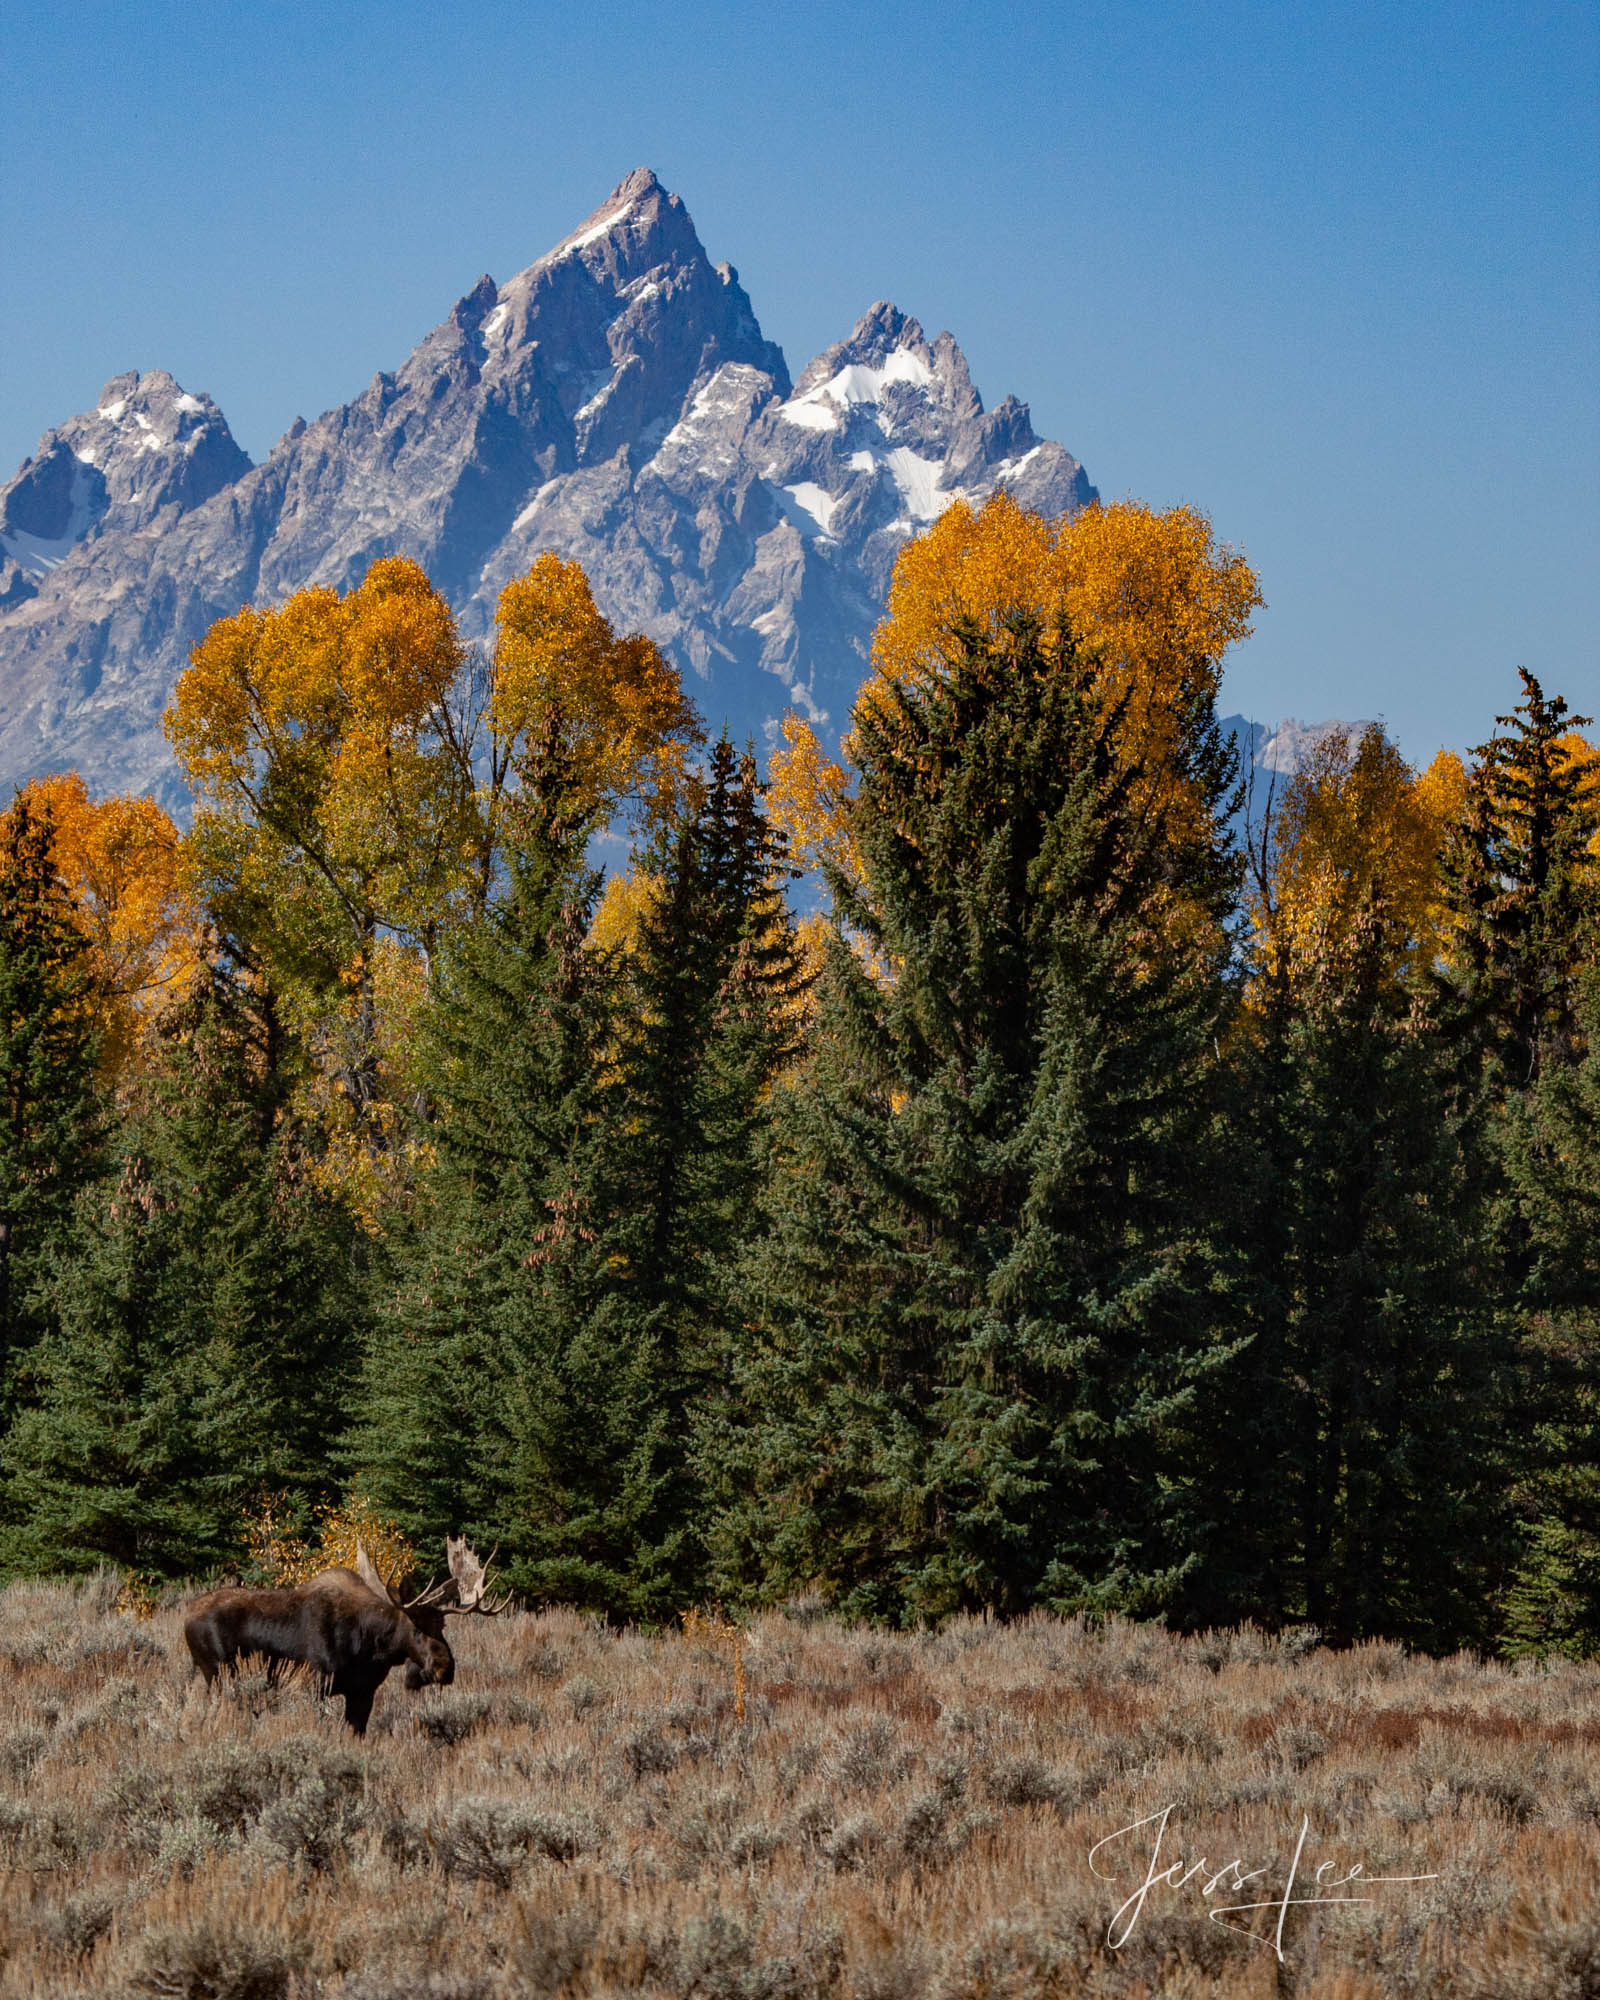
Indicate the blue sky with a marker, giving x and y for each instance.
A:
(1330, 272)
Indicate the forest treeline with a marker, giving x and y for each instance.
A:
(1133, 1188)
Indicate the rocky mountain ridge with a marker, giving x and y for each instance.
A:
(616, 401)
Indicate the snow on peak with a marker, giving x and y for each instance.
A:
(112, 412)
(918, 481)
(808, 507)
(816, 409)
(594, 232)
(191, 405)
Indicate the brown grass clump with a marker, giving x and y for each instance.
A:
(895, 1816)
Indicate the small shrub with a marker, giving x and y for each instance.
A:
(852, 1842)
(1298, 1745)
(449, 1716)
(754, 1843)
(77, 1925)
(183, 1845)
(552, 1947)
(206, 1961)
(20, 1750)
(582, 1695)
(1024, 1781)
(44, 1837)
(714, 1957)
(646, 1751)
(923, 1831)
(867, 1756)
(313, 1825)
(486, 1840)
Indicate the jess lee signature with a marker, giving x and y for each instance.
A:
(1232, 1878)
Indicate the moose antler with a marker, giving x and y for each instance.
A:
(467, 1582)
(471, 1580)
(372, 1577)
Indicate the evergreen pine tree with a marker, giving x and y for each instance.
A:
(633, 1316)
(48, 1050)
(560, 1307)
(1360, 1449)
(1549, 1141)
(515, 1033)
(1524, 882)
(990, 1287)
(1524, 888)
(204, 1300)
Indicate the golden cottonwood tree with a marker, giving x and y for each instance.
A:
(330, 766)
(1153, 595)
(1354, 834)
(351, 760)
(626, 724)
(330, 753)
(121, 862)
(809, 799)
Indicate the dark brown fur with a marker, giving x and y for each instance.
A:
(334, 1626)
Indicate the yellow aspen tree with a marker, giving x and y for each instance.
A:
(330, 766)
(1154, 595)
(808, 799)
(627, 725)
(1354, 828)
(329, 744)
(121, 861)
(627, 899)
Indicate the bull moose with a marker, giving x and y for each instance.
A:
(349, 1627)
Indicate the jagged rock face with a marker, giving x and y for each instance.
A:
(147, 447)
(616, 401)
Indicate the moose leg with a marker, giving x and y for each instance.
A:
(358, 1707)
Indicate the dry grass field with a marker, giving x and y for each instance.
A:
(586, 1813)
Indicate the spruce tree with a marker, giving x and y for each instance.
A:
(48, 1050)
(1524, 887)
(205, 1302)
(1359, 1450)
(557, 1325)
(991, 1283)
(515, 1033)
(1524, 882)
(626, 1337)
(1549, 1141)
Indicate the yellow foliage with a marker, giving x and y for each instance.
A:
(375, 1145)
(1442, 790)
(1155, 595)
(288, 1559)
(1355, 825)
(808, 800)
(624, 904)
(720, 1634)
(811, 935)
(334, 746)
(139, 1595)
(320, 734)
(121, 862)
(1586, 756)
(626, 722)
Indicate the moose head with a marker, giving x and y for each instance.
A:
(464, 1591)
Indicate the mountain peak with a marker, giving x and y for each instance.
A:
(147, 445)
(615, 401)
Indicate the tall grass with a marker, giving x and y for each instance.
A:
(894, 1816)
